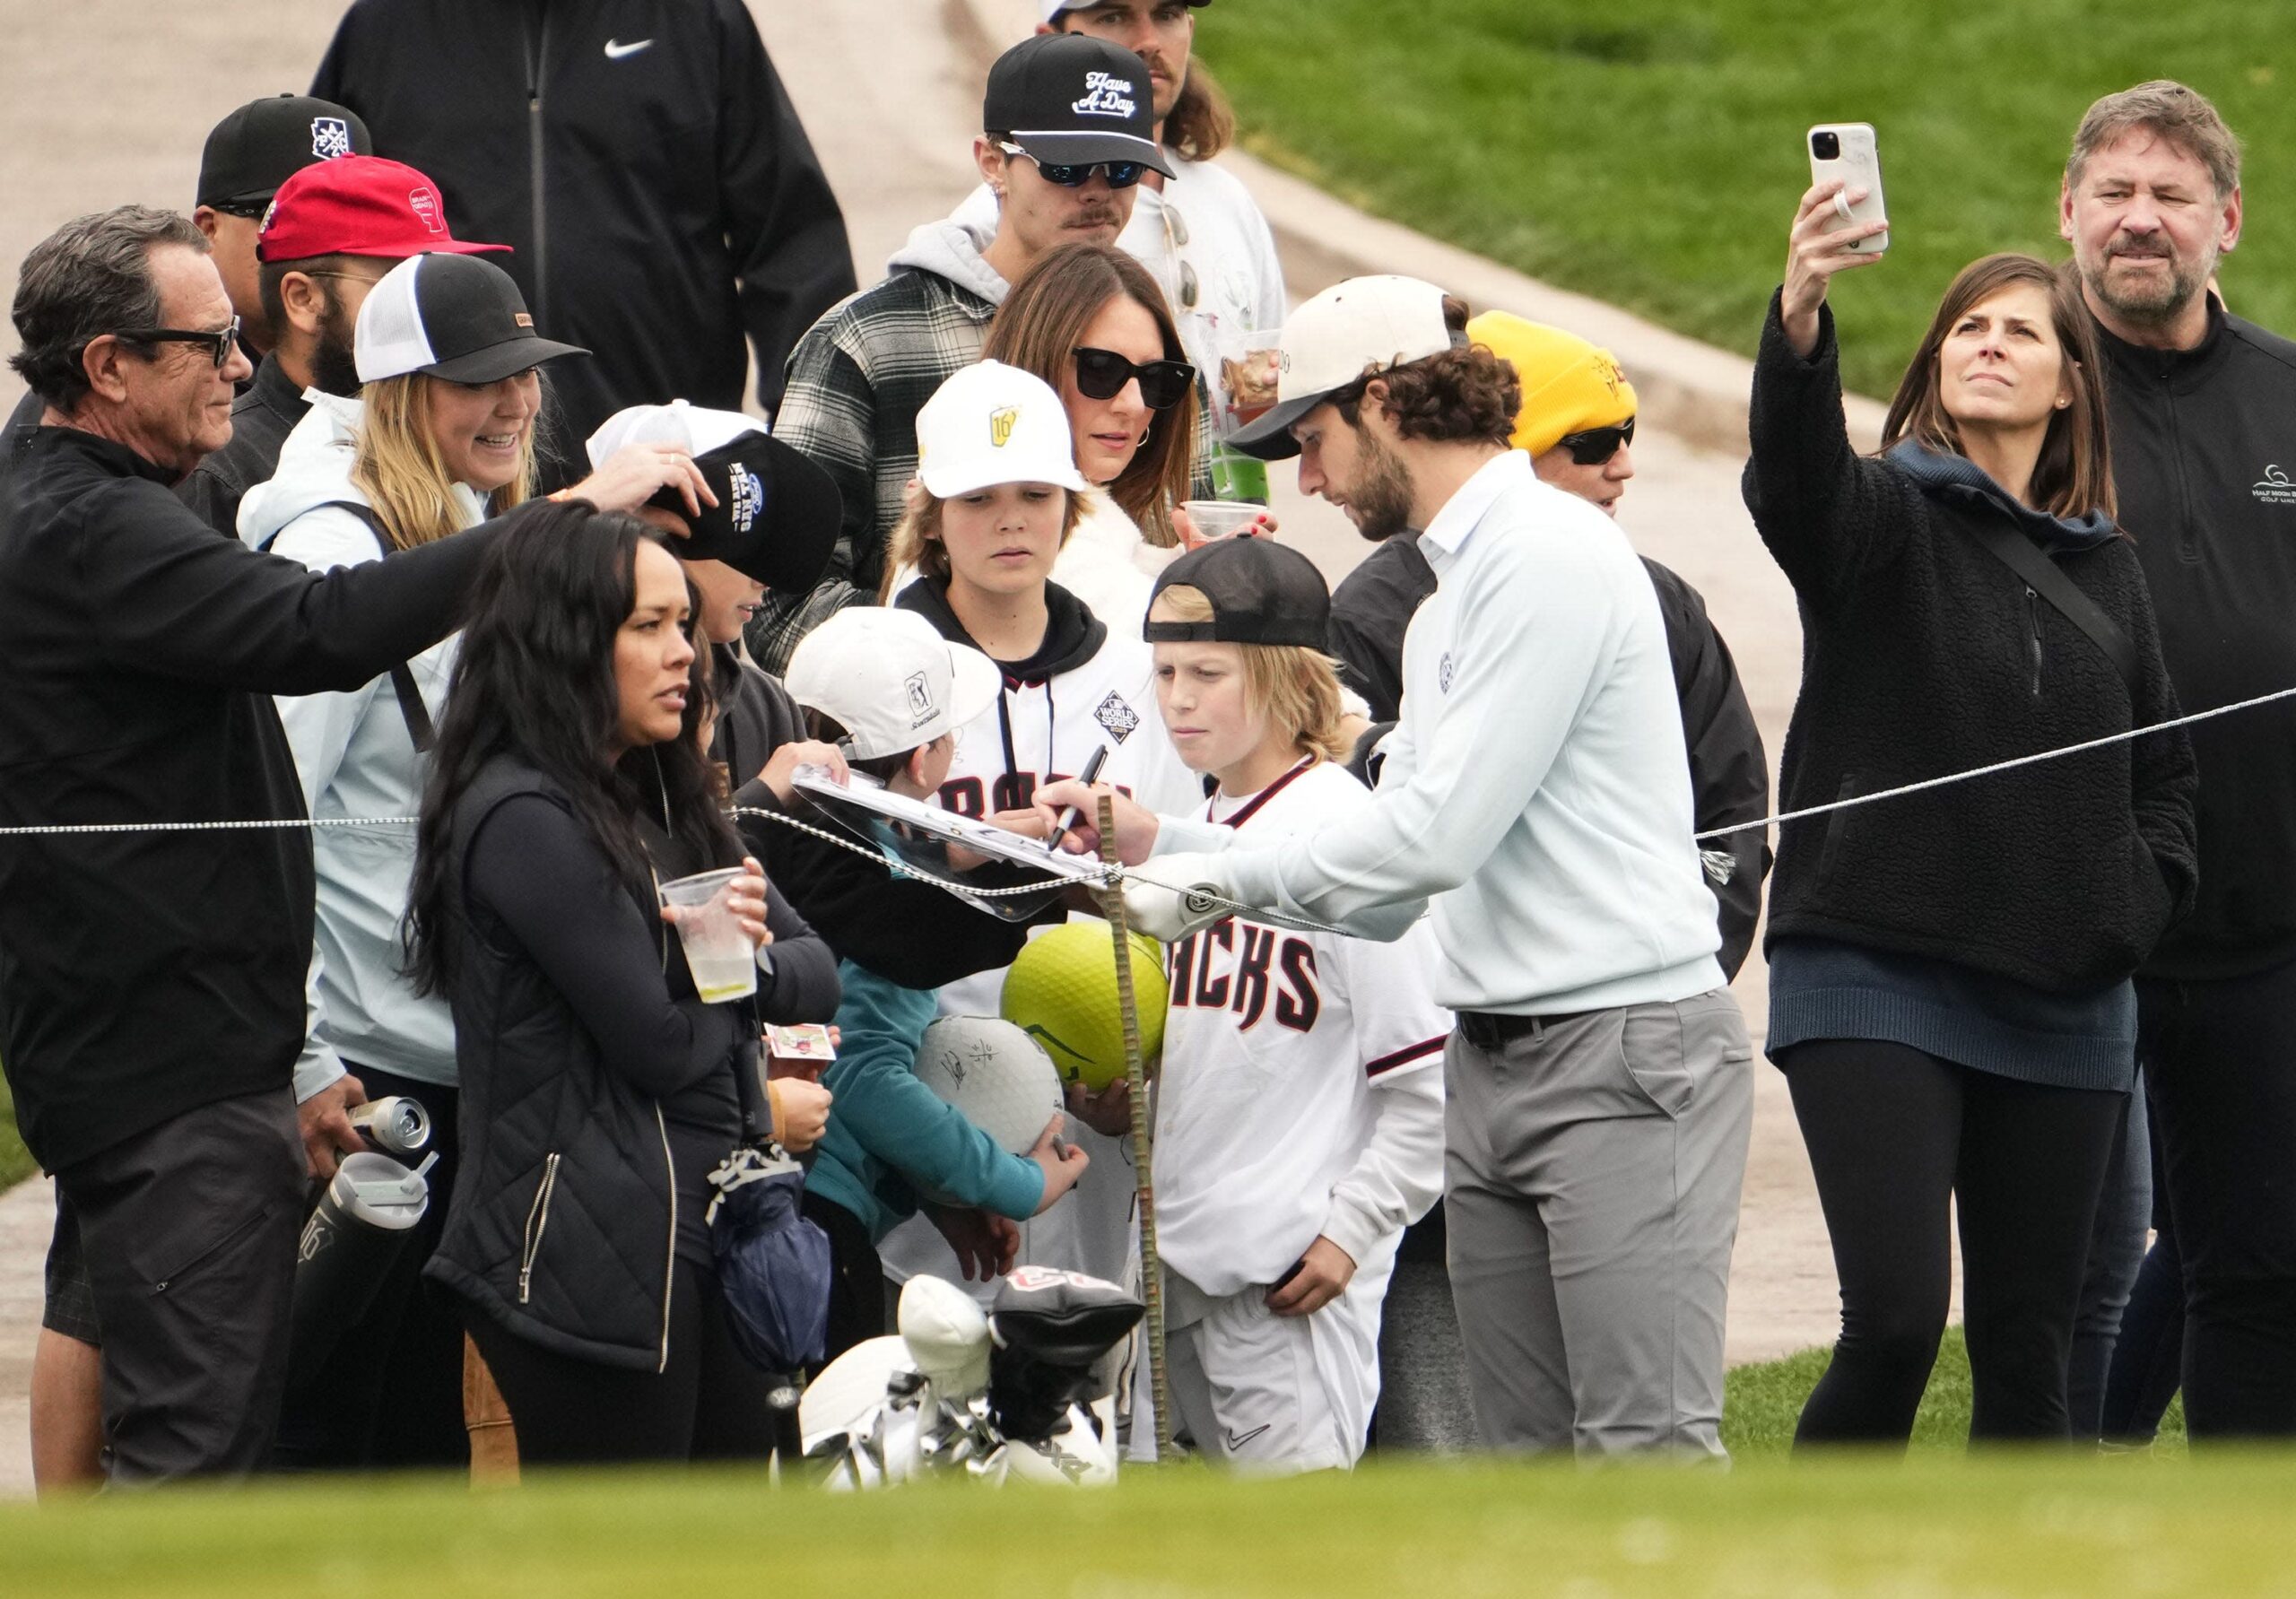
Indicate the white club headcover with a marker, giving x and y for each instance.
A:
(947, 1336)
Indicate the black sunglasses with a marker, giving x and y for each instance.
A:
(220, 341)
(1101, 375)
(1062, 175)
(1596, 446)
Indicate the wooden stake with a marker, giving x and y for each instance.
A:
(1136, 1073)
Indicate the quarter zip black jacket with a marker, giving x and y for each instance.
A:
(2203, 455)
(643, 159)
(1923, 654)
(142, 975)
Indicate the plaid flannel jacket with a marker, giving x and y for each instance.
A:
(855, 383)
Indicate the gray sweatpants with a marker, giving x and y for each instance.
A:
(1592, 1185)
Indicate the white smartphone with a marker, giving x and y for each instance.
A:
(1847, 150)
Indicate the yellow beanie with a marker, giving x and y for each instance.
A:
(1569, 385)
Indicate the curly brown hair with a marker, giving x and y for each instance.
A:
(1461, 394)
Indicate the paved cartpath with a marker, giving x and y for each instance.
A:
(890, 90)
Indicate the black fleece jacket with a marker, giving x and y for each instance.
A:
(142, 975)
(2203, 448)
(643, 159)
(1924, 654)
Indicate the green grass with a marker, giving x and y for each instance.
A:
(1649, 152)
(16, 1162)
(1761, 1404)
(2042, 1525)
(1937, 1523)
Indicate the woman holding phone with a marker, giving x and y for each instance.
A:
(1950, 971)
(598, 1092)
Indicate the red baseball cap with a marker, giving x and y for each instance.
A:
(359, 206)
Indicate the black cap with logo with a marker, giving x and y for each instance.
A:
(454, 317)
(265, 143)
(1071, 100)
(1261, 593)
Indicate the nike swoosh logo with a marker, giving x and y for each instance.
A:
(615, 52)
(1237, 1441)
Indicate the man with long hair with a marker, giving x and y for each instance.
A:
(1536, 799)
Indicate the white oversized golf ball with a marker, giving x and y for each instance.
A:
(999, 1076)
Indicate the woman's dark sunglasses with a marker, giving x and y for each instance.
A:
(1120, 174)
(220, 341)
(1101, 375)
(1596, 446)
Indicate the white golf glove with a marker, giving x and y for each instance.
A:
(1167, 914)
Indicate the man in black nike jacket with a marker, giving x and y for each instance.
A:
(644, 161)
(2204, 440)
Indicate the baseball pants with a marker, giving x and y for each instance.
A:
(1591, 1183)
(1267, 1393)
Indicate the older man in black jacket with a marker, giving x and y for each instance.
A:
(2203, 410)
(646, 163)
(151, 982)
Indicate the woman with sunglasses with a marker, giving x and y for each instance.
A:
(1089, 320)
(1950, 971)
(441, 438)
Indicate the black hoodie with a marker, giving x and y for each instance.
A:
(2203, 454)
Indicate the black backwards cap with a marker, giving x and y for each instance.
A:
(1261, 593)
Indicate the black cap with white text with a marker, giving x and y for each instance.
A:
(1071, 100)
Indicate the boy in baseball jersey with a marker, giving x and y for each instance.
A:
(1299, 1114)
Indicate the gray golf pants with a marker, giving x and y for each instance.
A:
(1592, 1187)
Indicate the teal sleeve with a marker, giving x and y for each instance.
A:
(898, 1122)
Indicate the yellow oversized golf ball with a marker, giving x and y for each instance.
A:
(1062, 992)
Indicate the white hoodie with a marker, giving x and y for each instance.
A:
(356, 759)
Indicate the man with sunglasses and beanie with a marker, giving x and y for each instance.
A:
(332, 229)
(1537, 801)
(1068, 132)
(151, 982)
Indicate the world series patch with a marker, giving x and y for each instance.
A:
(1116, 716)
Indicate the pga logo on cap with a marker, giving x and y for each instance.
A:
(1105, 95)
(330, 138)
(921, 707)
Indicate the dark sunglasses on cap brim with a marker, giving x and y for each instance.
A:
(1593, 446)
(1068, 175)
(1101, 375)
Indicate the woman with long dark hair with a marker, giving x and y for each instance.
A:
(598, 1091)
(1950, 971)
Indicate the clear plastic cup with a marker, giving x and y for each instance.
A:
(1222, 518)
(717, 952)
